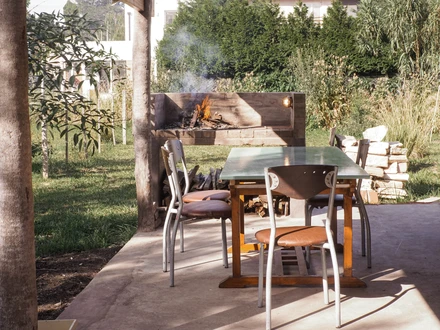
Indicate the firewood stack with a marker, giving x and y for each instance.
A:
(387, 165)
(258, 205)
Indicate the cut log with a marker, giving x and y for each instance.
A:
(191, 175)
(392, 169)
(388, 184)
(397, 177)
(352, 155)
(402, 167)
(379, 148)
(370, 196)
(208, 123)
(216, 116)
(351, 149)
(194, 118)
(374, 171)
(345, 140)
(367, 184)
(398, 159)
(377, 161)
(392, 191)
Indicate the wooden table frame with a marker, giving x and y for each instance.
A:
(241, 188)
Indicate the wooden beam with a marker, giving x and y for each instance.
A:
(136, 4)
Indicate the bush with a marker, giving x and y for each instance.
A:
(325, 84)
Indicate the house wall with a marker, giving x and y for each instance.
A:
(316, 7)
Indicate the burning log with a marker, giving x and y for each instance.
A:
(202, 115)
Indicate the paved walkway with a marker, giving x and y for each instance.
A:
(403, 286)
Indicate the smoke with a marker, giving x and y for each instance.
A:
(203, 53)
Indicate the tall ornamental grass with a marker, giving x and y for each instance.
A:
(409, 115)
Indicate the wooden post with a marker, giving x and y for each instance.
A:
(146, 152)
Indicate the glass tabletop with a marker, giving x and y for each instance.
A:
(248, 164)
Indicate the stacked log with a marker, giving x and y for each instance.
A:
(387, 165)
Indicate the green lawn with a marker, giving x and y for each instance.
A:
(91, 203)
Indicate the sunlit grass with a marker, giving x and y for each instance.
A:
(87, 203)
(91, 203)
(424, 173)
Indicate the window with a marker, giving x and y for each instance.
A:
(169, 16)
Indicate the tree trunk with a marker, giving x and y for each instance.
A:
(146, 182)
(44, 141)
(18, 292)
(124, 117)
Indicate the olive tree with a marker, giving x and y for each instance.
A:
(61, 57)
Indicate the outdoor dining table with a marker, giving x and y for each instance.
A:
(244, 169)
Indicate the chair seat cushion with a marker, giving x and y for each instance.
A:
(210, 209)
(195, 196)
(320, 201)
(294, 236)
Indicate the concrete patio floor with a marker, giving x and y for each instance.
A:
(403, 286)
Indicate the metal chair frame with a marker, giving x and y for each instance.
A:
(299, 182)
(357, 202)
(176, 147)
(175, 210)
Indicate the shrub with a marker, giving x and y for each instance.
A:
(325, 84)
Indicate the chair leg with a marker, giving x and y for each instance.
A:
(224, 244)
(361, 213)
(366, 231)
(308, 214)
(182, 243)
(166, 241)
(308, 222)
(337, 285)
(269, 287)
(324, 276)
(172, 248)
(261, 276)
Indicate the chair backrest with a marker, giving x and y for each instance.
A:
(331, 139)
(361, 160)
(170, 168)
(362, 153)
(176, 147)
(301, 182)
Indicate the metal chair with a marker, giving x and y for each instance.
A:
(180, 211)
(298, 182)
(176, 147)
(321, 201)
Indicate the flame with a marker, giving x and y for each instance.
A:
(204, 110)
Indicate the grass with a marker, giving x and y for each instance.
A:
(91, 203)
(85, 204)
(424, 173)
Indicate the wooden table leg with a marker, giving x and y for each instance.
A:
(348, 235)
(235, 231)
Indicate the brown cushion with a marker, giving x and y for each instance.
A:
(194, 196)
(207, 209)
(294, 236)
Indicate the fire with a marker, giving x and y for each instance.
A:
(204, 110)
(203, 117)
